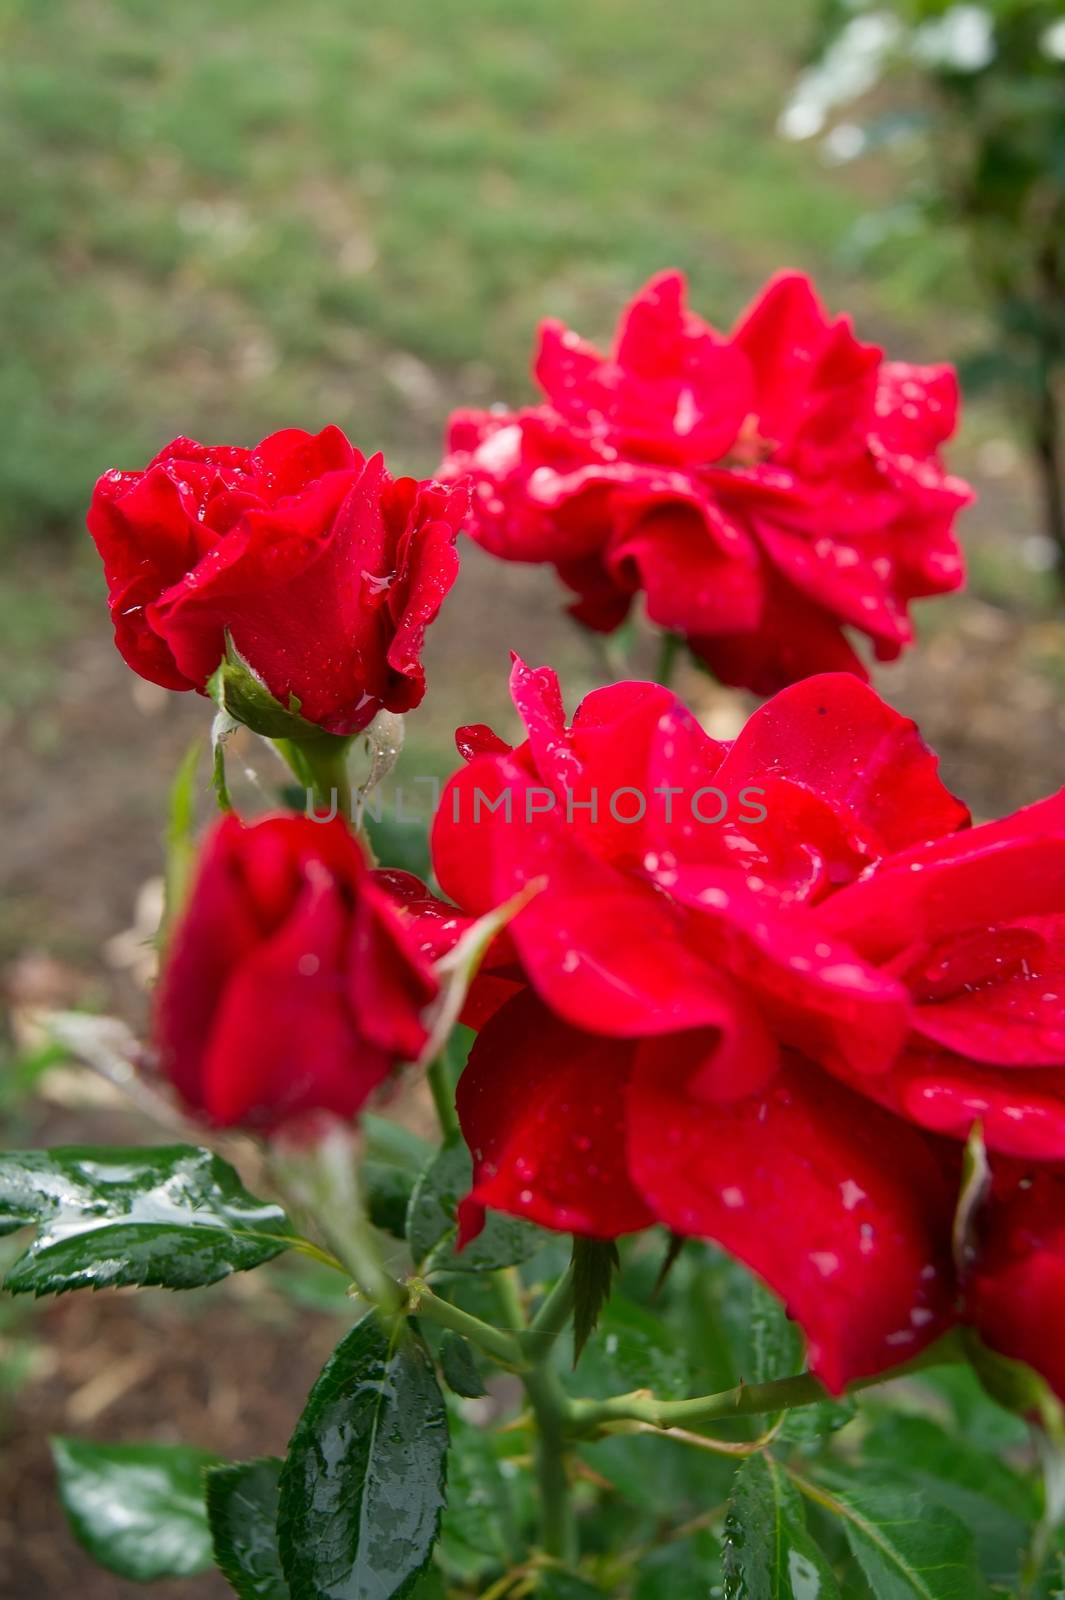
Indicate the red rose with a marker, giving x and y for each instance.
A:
(293, 982)
(765, 491)
(675, 1021)
(974, 926)
(323, 569)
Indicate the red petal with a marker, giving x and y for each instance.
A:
(542, 1109)
(795, 1184)
(834, 736)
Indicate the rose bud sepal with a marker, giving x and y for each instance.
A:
(319, 760)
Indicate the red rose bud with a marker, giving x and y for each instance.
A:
(323, 570)
(293, 981)
(765, 491)
(665, 1024)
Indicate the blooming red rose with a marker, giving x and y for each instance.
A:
(293, 981)
(974, 926)
(324, 570)
(766, 491)
(674, 1021)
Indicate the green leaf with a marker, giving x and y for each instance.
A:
(432, 1229)
(242, 1505)
(554, 1584)
(392, 1160)
(172, 1216)
(477, 1533)
(686, 1569)
(907, 1547)
(632, 1349)
(362, 1487)
(138, 1509)
(595, 1262)
(775, 1350)
(768, 1553)
(995, 1503)
(459, 1367)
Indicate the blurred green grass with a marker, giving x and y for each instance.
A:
(220, 219)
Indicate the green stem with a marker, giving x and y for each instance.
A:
(502, 1347)
(746, 1399)
(667, 658)
(550, 1407)
(507, 1287)
(322, 766)
(443, 1092)
(551, 1317)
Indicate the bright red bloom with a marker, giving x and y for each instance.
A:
(323, 569)
(675, 1021)
(293, 981)
(766, 491)
(975, 927)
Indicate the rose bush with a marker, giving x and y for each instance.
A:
(774, 1006)
(293, 982)
(766, 491)
(323, 570)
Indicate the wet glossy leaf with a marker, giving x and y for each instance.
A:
(768, 1554)
(431, 1227)
(242, 1512)
(138, 1509)
(595, 1262)
(172, 1216)
(362, 1488)
(908, 1547)
(459, 1367)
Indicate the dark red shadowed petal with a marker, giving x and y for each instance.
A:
(794, 639)
(699, 571)
(1015, 1295)
(542, 1109)
(795, 1183)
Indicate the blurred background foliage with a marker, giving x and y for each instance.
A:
(972, 99)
